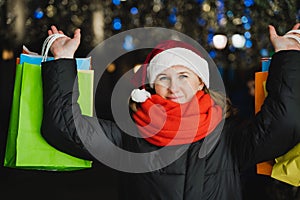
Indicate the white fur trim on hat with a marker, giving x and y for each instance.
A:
(178, 56)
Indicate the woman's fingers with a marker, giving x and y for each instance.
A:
(77, 34)
(272, 32)
(54, 29)
(297, 26)
(50, 32)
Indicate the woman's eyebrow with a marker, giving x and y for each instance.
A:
(183, 72)
(161, 74)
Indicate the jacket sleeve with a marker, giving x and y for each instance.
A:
(63, 125)
(276, 128)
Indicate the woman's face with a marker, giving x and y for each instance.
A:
(178, 84)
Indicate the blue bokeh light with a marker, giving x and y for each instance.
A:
(174, 10)
(38, 14)
(244, 19)
(247, 26)
(232, 48)
(172, 18)
(248, 44)
(128, 43)
(264, 52)
(210, 38)
(199, 1)
(117, 25)
(229, 14)
(116, 2)
(247, 35)
(134, 10)
(201, 21)
(212, 54)
(248, 3)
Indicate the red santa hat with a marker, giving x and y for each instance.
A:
(170, 53)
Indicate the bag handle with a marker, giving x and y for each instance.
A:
(47, 44)
(293, 36)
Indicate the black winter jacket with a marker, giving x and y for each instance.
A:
(273, 131)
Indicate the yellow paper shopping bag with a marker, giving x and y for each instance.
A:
(287, 167)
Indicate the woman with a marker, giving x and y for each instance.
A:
(176, 114)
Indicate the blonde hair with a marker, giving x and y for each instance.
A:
(222, 100)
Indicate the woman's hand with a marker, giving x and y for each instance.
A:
(64, 47)
(282, 42)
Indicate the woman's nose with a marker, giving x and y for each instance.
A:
(173, 87)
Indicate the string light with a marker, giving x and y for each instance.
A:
(212, 54)
(128, 43)
(172, 17)
(134, 11)
(248, 3)
(116, 2)
(248, 44)
(238, 40)
(204, 19)
(38, 13)
(117, 25)
(219, 41)
(247, 35)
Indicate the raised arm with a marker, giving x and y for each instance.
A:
(276, 128)
(63, 125)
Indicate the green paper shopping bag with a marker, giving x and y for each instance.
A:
(85, 86)
(26, 148)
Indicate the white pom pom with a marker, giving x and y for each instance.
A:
(140, 96)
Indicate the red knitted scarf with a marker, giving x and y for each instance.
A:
(164, 123)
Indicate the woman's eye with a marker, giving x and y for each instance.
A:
(183, 76)
(163, 78)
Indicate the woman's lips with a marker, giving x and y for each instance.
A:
(174, 97)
